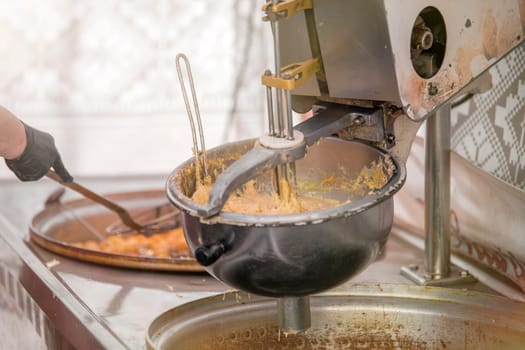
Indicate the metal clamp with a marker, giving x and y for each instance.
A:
(293, 75)
(286, 8)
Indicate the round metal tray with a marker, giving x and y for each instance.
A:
(59, 225)
(366, 317)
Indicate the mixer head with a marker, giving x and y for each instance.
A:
(412, 55)
(406, 57)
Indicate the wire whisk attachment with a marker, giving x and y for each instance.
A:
(199, 153)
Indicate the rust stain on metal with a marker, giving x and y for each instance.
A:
(414, 88)
(490, 31)
(501, 35)
(507, 35)
(522, 13)
(423, 95)
(375, 334)
(462, 64)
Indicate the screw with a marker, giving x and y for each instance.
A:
(390, 139)
(432, 89)
(359, 119)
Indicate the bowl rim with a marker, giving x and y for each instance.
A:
(189, 207)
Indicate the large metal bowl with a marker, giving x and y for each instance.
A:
(366, 317)
(293, 254)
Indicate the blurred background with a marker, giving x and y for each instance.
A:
(100, 77)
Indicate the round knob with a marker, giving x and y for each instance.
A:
(208, 254)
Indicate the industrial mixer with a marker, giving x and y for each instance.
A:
(372, 72)
(373, 89)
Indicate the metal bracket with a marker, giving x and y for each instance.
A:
(368, 127)
(418, 274)
(292, 75)
(286, 8)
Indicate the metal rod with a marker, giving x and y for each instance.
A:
(277, 60)
(280, 116)
(437, 194)
(280, 171)
(276, 180)
(289, 117)
(292, 178)
(269, 101)
(275, 31)
(202, 151)
(271, 118)
(280, 122)
(294, 313)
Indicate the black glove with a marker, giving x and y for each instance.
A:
(39, 156)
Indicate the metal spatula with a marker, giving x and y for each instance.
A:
(149, 227)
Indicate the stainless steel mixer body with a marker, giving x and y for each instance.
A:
(411, 58)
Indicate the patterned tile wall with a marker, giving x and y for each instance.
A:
(489, 129)
(100, 76)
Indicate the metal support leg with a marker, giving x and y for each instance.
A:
(294, 313)
(437, 269)
(437, 194)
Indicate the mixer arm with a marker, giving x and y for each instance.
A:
(328, 119)
(253, 163)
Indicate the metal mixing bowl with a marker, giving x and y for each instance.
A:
(366, 317)
(292, 254)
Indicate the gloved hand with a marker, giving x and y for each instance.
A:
(38, 157)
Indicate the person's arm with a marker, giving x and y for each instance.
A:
(12, 135)
(28, 152)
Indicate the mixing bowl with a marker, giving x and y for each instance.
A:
(291, 254)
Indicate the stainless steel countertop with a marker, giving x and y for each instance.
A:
(114, 306)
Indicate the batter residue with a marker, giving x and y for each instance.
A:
(309, 195)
